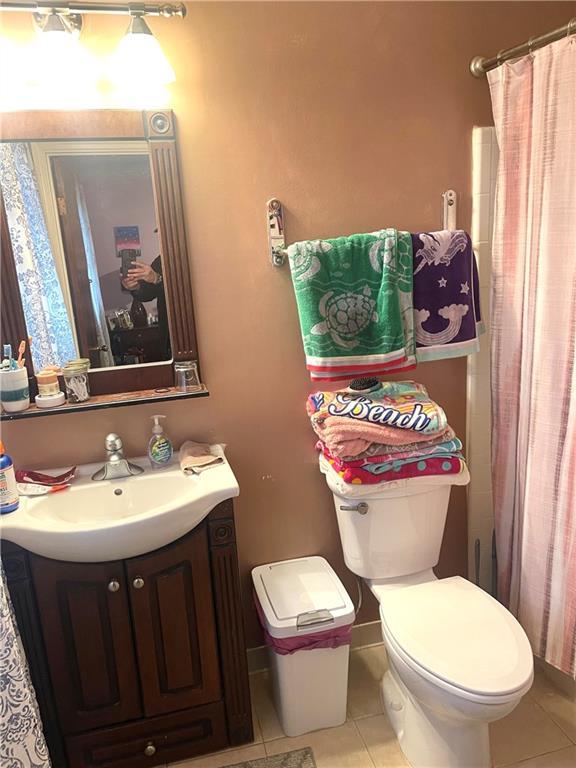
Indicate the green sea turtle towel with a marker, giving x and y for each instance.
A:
(354, 297)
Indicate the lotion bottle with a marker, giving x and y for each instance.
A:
(159, 446)
(9, 500)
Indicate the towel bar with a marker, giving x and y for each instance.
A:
(275, 217)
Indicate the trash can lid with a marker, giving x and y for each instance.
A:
(301, 596)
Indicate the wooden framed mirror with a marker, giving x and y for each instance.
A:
(99, 193)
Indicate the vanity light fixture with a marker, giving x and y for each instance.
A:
(58, 72)
(140, 55)
(57, 24)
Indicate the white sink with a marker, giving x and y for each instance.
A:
(99, 520)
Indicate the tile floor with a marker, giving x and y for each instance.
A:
(540, 733)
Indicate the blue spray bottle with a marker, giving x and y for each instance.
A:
(9, 500)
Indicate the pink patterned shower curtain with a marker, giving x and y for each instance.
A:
(533, 346)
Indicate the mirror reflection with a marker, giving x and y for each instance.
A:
(84, 236)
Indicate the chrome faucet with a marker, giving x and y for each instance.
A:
(116, 465)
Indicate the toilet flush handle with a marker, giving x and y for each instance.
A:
(361, 508)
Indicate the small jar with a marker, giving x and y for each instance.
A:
(14, 391)
(80, 361)
(76, 381)
(186, 377)
(47, 383)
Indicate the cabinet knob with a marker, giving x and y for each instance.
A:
(113, 586)
(149, 749)
(138, 582)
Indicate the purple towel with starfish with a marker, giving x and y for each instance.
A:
(447, 317)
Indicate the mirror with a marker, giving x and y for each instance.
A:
(82, 215)
(94, 255)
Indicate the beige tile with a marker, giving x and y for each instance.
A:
(556, 703)
(340, 747)
(256, 727)
(367, 668)
(263, 703)
(221, 759)
(564, 758)
(380, 740)
(527, 732)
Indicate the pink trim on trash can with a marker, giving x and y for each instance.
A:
(328, 638)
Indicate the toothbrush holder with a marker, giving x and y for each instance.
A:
(14, 391)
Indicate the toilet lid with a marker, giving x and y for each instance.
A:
(459, 634)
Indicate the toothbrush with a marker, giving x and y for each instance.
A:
(21, 350)
(8, 355)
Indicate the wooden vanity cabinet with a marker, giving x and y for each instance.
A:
(174, 626)
(137, 662)
(89, 642)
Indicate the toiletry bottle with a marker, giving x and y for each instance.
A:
(8, 490)
(159, 447)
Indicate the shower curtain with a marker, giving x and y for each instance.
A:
(47, 320)
(22, 743)
(533, 346)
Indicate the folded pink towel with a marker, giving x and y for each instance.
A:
(347, 437)
(380, 449)
(386, 453)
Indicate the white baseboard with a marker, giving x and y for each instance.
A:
(369, 633)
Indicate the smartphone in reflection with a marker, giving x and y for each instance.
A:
(128, 256)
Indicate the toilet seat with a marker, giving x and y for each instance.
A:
(458, 637)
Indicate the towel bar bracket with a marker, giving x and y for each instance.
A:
(449, 209)
(276, 242)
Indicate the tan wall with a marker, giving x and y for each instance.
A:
(357, 116)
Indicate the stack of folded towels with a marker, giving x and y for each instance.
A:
(378, 432)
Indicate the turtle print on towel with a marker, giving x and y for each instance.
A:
(22, 742)
(303, 258)
(346, 314)
(382, 253)
(354, 297)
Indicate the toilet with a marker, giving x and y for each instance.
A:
(458, 659)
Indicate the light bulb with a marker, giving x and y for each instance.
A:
(57, 72)
(140, 59)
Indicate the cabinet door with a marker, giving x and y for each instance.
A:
(85, 620)
(174, 628)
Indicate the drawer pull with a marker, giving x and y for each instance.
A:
(138, 582)
(113, 586)
(149, 749)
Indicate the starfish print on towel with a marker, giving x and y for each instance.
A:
(442, 282)
(304, 261)
(454, 314)
(382, 251)
(465, 288)
(440, 248)
(346, 314)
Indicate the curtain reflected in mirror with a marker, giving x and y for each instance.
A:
(83, 230)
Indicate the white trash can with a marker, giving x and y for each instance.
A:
(307, 616)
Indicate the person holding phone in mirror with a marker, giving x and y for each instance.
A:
(145, 283)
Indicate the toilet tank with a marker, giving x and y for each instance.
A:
(403, 525)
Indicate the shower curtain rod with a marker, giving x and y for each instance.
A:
(480, 65)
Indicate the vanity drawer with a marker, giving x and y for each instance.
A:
(155, 741)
